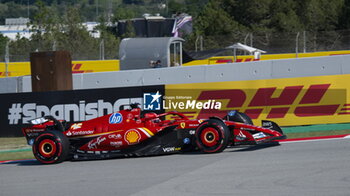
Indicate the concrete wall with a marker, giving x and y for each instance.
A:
(285, 68)
(9, 85)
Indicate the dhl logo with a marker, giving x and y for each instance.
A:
(23, 68)
(275, 107)
(76, 68)
(238, 60)
(3, 74)
(287, 101)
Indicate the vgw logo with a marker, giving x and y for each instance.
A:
(151, 101)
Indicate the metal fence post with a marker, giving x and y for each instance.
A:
(304, 40)
(102, 50)
(245, 38)
(7, 58)
(54, 46)
(200, 40)
(251, 39)
(297, 45)
(245, 42)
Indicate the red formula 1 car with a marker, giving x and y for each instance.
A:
(128, 133)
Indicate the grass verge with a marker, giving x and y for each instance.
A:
(14, 148)
(316, 134)
(16, 155)
(7, 143)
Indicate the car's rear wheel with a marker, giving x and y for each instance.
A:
(212, 136)
(51, 147)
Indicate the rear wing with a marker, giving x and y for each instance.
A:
(40, 125)
(33, 131)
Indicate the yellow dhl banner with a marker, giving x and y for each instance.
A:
(249, 58)
(23, 68)
(289, 102)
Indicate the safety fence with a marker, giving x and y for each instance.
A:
(274, 42)
(23, 68)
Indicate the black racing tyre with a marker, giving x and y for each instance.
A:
(239, 117)
(212, 136)
(51, 147)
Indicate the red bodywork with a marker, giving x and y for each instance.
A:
(126, 128)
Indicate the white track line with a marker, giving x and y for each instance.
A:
(315, 140)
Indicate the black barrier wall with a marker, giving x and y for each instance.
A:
(74, 106)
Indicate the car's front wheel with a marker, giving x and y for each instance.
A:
(212, 136)
(51, 147)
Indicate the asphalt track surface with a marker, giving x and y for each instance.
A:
(303, 168)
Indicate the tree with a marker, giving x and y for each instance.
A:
(123, 14)
(254, 14)
(3, 42)
(343, 21)
(20, 49)
(194, 7)
(216, 25)
(284, 17)
(111, 42)
(75, 38)
(176, 7)
(45, 28)
(320, 15)
(137, 2)
(214, 20)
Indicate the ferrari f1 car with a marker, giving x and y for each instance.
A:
(130, 133)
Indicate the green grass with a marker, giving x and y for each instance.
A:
(7, 143)
(14, 148)
(16, 155)
(316, 133)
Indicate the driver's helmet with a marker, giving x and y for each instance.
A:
(152, 117)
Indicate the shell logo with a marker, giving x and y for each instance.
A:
(132, 136)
